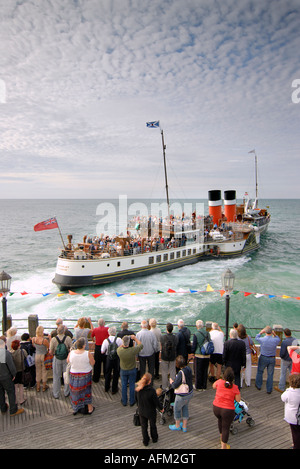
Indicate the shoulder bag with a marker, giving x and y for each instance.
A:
(184, 387)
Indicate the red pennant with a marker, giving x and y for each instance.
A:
(247, 293)
(171, 291)
(96, 295)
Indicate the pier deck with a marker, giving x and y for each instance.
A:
(49, 423)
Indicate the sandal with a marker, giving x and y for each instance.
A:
(89, 413)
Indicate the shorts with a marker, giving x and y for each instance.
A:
(216, 358)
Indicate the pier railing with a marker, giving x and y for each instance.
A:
(33, 321)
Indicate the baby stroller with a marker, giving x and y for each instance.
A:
(166, 398)
(241, 410)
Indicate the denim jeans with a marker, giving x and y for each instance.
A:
(128, 377)
(269, 363)
(181, 406)
(286, 365)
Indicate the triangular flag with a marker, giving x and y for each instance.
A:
(72, 292)
(158, 291)
(222, 292)
(209, 288)
(235, 292)
(259, 295)
(272, 296)
(95, 295)
(194, 291)
(119, 294)
(246, 293)
(24, 293)
(46, 294)
(171, 291)
(132, 293)
(60, 294)
(285, 296)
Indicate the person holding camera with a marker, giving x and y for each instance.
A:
(268, 341)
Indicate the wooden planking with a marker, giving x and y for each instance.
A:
(49, 423)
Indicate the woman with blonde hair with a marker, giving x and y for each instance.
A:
(41, 344)
(11, 335)
(148, 402)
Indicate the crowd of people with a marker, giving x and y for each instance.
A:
(137, 359)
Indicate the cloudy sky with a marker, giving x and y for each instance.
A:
(79, 79)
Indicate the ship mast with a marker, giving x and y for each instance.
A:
(165, 167)
(256, 180)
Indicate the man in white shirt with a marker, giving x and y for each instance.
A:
(109, 347)
(217, 336)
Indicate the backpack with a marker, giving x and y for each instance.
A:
(169, 349)
(112, 349)
(61, 351)
(208, 346)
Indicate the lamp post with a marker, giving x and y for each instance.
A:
(227, 278)
(5, 280)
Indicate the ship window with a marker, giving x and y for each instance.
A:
(165, 257)
(158, 258)
(132, 261)
(151, 260)
(107, 265)
(189, 252)
(184, 253)
(172, 255)
(194, 251)
(178, 254)
(118, 264)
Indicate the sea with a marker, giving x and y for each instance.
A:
(266, 289)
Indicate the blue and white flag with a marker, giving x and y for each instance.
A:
(153, 124)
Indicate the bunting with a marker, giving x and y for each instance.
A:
(181, 291)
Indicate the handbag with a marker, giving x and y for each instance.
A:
(298, 415)
(48, 359)
(66, 374)
(184, 387)
(254, 355)
(26, 375)
(136, 419)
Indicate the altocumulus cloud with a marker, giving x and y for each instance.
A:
(83, 77)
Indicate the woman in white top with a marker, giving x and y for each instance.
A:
(82, 362)
(291, 399)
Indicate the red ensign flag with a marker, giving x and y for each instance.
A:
(46, 225)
